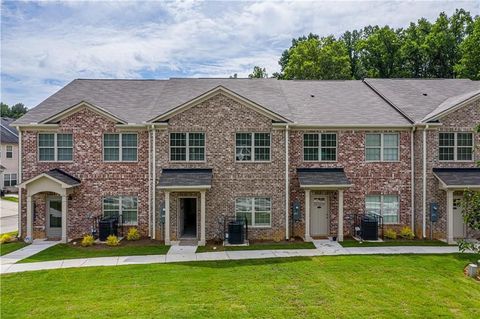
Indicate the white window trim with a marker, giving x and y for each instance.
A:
(456, 147)
(320, 148)
(381, 206)
(187, 145)
(10, 179)
(382, 148)
(252, 147)
(9, 151)
(55, 148)
(120, 210)
(254, 212)
(120, 148)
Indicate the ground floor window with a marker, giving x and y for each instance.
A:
(125, 208)
(386, 206)
(9, 180)
(257, 210)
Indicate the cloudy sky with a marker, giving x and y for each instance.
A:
(44, 45)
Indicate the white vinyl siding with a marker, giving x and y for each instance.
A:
(455, 146)
(125, 208)
(257, 210)
(382, 147)
(320, 147)
(386, 206)
(252, 147)
(187, 147)
(120, 147)
(55, 147)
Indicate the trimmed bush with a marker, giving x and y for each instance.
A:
(6, 238)
(133, 234)
(390, 233)
(407, 233)
(87, 240)
(112, 240)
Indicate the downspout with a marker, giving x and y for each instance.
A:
(424, 209)
(154, 183)
(149, 183)
(412, 183)
(287, 186)
(19, 181)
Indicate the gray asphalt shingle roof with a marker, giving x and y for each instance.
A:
(458, 176)
(185, 177)
(64, 177)
(8, 134)
(322, 177)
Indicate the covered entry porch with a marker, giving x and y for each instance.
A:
(185, 204)
(55, 186)
(318, 183)
(454, 181)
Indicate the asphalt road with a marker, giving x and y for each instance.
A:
(8, 216)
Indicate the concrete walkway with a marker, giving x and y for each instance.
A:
(37, 246)
(187, 253)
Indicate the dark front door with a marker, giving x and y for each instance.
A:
(188, 214)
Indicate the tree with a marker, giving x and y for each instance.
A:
(234, 76)
(351, 39)
(318, 59)
(469, 64)
(258, 73)
(414, 54)
(15, 111)
(286, 54)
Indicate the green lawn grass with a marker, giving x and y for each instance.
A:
(354, 243)
(401, 286)
(68, 251)
(10, 198)
(257, 246)
(7, 248)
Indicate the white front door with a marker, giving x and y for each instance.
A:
(459, 228)
(54, 217)
(319, 220)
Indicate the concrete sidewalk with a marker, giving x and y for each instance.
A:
(34, 248)
(187, 254)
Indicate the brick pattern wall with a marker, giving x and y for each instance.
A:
(368, 178)
(461, 120)
(98, 178)
(221, 117)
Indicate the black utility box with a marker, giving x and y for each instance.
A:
(107, 227)
(236, 233)
(369, 228)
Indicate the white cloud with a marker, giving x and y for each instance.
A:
(45, 45)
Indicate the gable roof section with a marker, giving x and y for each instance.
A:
(452, 104)
(8, 134)
(57, 175)
(77, 107)
(458, 178)
(417, 98)
(185, 178)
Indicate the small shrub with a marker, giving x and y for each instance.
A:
(6, 238)
(407, 233)
(87, 240)
(112, 240)
(390, 233)
(133, 234)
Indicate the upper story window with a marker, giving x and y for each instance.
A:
(55, 147)
(9, 180)
(125, 208)
(252, 147)
(455, 146)
(386, 206)
(187, 147)
(9, 153)
(320, 147)
(257, 210)
(120, 147)
(382, 147)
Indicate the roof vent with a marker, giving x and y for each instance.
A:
(311, 95)
(424, 94)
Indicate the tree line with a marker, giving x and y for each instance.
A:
(446, 48)
(15, 111)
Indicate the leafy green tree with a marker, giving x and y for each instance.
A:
(380, 52)
(258, 73)
(414, 54)
(286, 53)
(318, 59)
(441, 48)
(351, 39)
(469, 64)
(15, 111)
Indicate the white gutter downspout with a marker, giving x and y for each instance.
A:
(287, 188)
(424, 209)
(412, 183)
(18, 182)
(150, 183)
(154, 219)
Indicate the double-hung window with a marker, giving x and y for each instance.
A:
(257, 210)
(386, 206)
(9, 153)
(252, 147)
(55, 147)
(187, 147)
(455, 146)
(320, 147)
(9, 180)
(382, 147)
(120, 147)
(125, 208)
